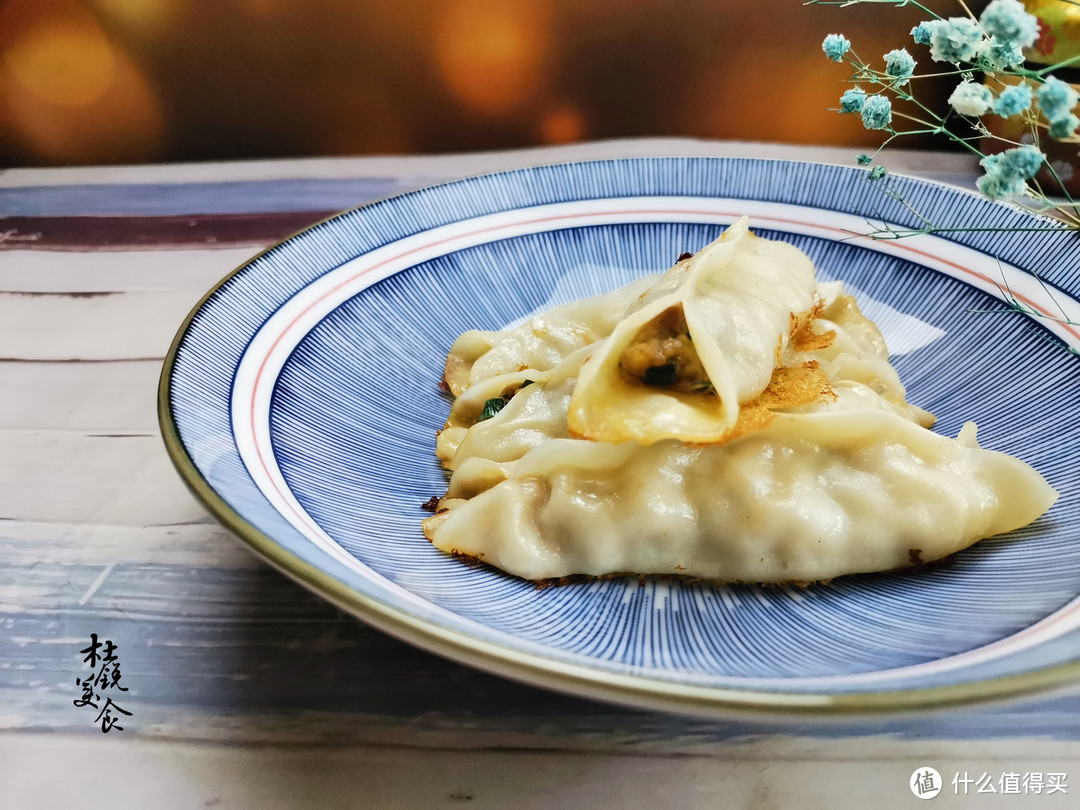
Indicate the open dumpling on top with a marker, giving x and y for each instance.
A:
(704, 340)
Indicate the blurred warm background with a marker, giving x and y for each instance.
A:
(107, 81)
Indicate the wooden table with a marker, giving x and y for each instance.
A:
(243, 689)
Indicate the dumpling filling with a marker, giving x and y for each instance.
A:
(663, 355)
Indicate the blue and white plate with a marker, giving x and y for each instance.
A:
(300, 403)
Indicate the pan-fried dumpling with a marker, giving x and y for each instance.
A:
(703, 341)
(839, 358)
(811, 497)
(827, 469)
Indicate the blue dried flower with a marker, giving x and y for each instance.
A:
(835, 46)
(921, 32)
(1001, 54)
(1022, 161)
(864, 160)
(877, 172)
(1013, 100)
(1009, 21)
(998, 183)
(955, 40)
(997, 187)
(971, 99)
(877, 112)
(1064, 127)
(852, 100)
(900, 65)
(1056, 99)
(1007, 171)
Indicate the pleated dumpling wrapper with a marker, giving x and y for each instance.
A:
(827, 471)
(540, 341)
(703, 341)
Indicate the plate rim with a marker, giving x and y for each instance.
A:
(639, 691)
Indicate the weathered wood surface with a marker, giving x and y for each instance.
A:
(99, 535)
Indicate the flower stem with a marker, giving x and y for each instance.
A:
(1072, 60)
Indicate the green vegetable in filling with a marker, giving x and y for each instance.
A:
(491, 407)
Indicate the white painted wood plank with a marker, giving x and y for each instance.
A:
(114, 398)
(204, 544)
(133, 325)
(53, 477)
(109, 771)
(118, 271)
(463, 164)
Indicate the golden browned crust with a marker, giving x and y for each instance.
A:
(803, 337)
(455, 375)
(789, 387)
(917, 565)
(806, 340)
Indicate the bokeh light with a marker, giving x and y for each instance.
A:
(65, 62)
(563, 123)
(491, 53)
(146, 17)
(92, 81)
(69, 93)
